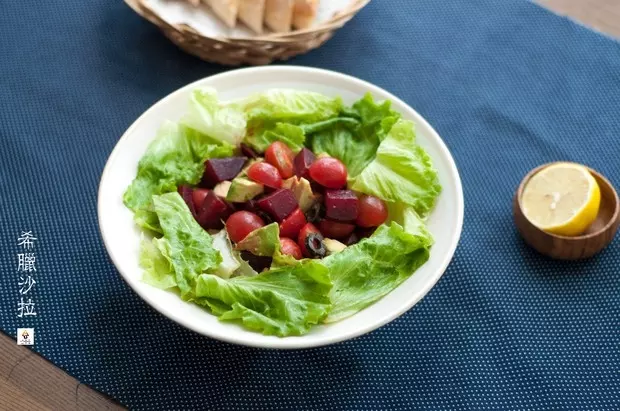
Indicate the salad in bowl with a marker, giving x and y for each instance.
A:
(284, 209)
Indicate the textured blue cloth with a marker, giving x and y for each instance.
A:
(507, 84)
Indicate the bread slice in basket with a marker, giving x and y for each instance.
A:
(252, 12)
(304, 13)
(226, 10)
(279, 15)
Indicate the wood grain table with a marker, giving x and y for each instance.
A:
(29, 382)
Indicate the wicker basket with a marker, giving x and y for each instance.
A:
(258, 50)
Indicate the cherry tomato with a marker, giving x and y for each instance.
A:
(329, 172)
(305, 231)
(280, 156)
(242, 223)
(371, 212)
(292, 225)
(265, 174)
(290, 247)
(198, 196)
(335, 229)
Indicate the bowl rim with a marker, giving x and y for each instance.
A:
(298, 342)
(598, 176)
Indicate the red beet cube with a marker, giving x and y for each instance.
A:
(279, 204)
(341, 205)
(213, 212)
(252, 206)
(221, 169)
(248, 151)
(187, 193)
(302, 162)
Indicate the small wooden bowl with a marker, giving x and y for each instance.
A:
(596, 238)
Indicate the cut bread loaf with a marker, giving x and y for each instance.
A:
(252, 12)
(226, 10)
(305, 13)
(279, 14)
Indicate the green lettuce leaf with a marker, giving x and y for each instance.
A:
(175, 157)
(224, 123)
(262, 134)
(186, 244)
(290, 106)
(354, 139)
(401, 171)
(158, 270)
(367, 271)
(284, 301)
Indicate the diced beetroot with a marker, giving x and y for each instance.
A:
(213, 212)
(302, 162)
(187, 193)
(252, 206)
(221, 169)
(279, 204)
(291, 225)
(341, 205)
(248, 151)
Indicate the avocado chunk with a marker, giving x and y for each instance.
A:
(221, 190)
(243, 189)
(263, 242)
(302, 191)
(333, 246)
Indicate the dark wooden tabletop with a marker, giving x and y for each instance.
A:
(29, 382)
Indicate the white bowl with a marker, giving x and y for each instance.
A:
(122, 237)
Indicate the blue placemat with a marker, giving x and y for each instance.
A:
(508, 86)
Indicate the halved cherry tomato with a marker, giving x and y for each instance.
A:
(198, 196)
(305, 231)
(280, 156)
(290, 247)
(335, 229)
(329, 172)
(371, 212)
(265, 174)
(292, 225)
(242, 223)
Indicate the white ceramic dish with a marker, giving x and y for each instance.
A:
(122, 237)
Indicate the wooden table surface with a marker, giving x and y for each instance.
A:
(29, 382)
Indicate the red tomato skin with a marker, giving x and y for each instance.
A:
(372, 212)
(335, 229)
(329, 172)
(266, 174)
(290, 247)
(292, 225)
(242, 223)
(280, 156)
(198, 196)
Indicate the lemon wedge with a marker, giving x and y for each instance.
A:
(562, 199)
